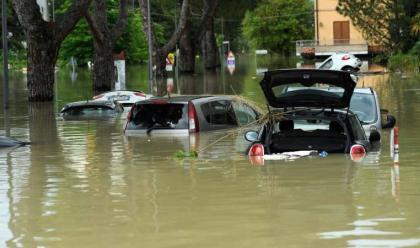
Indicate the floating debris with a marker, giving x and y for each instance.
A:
(183, 154)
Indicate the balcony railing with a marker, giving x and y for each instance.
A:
(329, 47)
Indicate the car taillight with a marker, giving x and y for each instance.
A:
(256, 149)
(345, 57)
(357, 149)
(98, 96)
(140, 94)
(192, 119)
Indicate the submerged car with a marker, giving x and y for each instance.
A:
(341, 61)
(91, 109)
(189, 114)
(126, 97)
(309, 118)
(9, 142)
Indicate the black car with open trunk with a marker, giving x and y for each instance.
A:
(309, 118)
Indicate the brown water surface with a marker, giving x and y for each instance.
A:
(85, 184)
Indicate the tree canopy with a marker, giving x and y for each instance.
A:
(387, 23)
(276, 24)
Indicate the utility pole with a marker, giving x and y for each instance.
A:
(149, 35)
(5, 33)
(53, 10)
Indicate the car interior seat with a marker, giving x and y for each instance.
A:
(336, 127)
(286, 125)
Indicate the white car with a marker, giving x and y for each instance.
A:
(125, 97)
(341, 62)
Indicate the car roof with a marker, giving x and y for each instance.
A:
(119, 91)
(89, 103)
(178, 99)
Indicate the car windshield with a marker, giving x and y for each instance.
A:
(364, 106)
(159, 116)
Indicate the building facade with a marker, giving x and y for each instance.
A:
(333, 33)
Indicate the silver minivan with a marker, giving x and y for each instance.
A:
(182, 115)
(365, 104)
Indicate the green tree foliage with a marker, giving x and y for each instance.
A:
(387, 23)
(276, 24)
(133, 41)
(79, 43)
(400, 62)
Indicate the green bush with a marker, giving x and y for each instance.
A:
(404, 63)
(17, 59)
(415, 50)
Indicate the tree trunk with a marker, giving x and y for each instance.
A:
(44, 40)
(161, 52)
(103, 73)
(42, 57)
(186, 60)
(209, 48)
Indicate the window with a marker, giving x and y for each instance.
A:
(244, 113)
(364, 106)
(326, 65)
(358, 132)
(159, 116)
(219, 113)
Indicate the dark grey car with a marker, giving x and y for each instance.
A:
(309, 118)
(189, 114)
(91, 110)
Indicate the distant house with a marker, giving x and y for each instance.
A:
(333, 33)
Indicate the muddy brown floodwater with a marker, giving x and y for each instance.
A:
(84, 184)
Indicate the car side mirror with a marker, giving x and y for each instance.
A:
(374, 136)
(384, 111)
(251, 136)
(389, 122)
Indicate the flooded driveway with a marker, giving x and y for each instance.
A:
(85, 184)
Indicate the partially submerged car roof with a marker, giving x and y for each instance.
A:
(87, 104)
(173, 99)
(275, 83)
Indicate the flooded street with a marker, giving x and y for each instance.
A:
(85, 184)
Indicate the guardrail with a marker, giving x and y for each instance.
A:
(311, 48)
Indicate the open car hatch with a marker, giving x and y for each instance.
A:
(307, 87)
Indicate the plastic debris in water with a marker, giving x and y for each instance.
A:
(290, 155)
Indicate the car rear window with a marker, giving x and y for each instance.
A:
(159, 116)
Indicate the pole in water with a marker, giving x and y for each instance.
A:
(5, 56)
(149, 39)
(395, 170)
